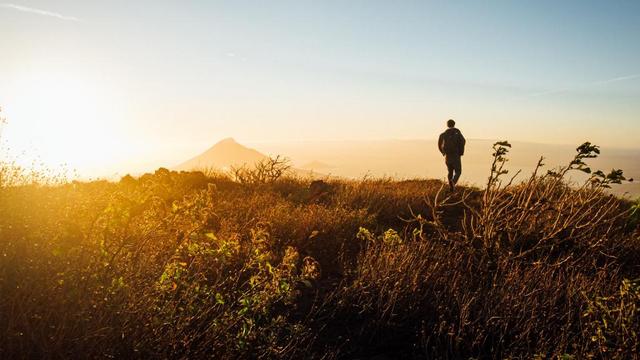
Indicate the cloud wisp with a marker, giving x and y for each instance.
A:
(616, 79)
(38, 12)
(594, 83)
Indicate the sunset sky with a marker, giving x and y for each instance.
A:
(108, 84)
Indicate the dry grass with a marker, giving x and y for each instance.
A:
(188, 265)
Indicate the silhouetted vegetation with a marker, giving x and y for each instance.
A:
(259, 264)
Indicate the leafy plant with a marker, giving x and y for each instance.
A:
(614, 321)
(209, 265)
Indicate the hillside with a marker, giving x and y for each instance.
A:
(407, 159)
(181, 265)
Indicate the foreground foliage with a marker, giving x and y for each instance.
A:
(188, 265)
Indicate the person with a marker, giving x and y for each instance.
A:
(451, 144)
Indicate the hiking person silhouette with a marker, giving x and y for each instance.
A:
(451, 145)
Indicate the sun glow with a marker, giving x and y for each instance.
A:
(62, 118)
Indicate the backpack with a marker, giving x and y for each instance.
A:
(453, 144)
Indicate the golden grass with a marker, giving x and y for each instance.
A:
(188, 265)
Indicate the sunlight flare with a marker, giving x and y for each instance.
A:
(63, 118)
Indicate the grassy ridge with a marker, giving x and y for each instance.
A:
(208, 265)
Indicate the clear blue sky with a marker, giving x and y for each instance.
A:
(168, 77)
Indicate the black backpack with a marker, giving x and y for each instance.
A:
(453, 142)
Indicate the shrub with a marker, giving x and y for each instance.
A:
(187, 264)
(614, 322)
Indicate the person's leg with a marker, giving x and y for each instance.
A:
(458, 171)
(450, 175)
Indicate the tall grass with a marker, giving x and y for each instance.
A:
(188, 265)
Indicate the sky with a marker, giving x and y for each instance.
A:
(124, 85)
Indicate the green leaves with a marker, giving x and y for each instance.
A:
(219, 299)
(391, 237)
(613, 320)
(364, 235)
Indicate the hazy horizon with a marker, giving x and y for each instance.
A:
(425, 157)
(404, 159)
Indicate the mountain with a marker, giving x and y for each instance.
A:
(223, 155)
(229, 153)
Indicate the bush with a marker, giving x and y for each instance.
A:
(188, 264)
(614, 322)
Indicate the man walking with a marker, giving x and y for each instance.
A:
(451, 145)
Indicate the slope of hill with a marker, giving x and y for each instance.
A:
(180, 265)
(223, 155)
(409, 159)
(421, 159)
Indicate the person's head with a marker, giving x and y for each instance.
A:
(451, 123)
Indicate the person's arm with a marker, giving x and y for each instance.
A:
(463, 142)
(441, 143)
